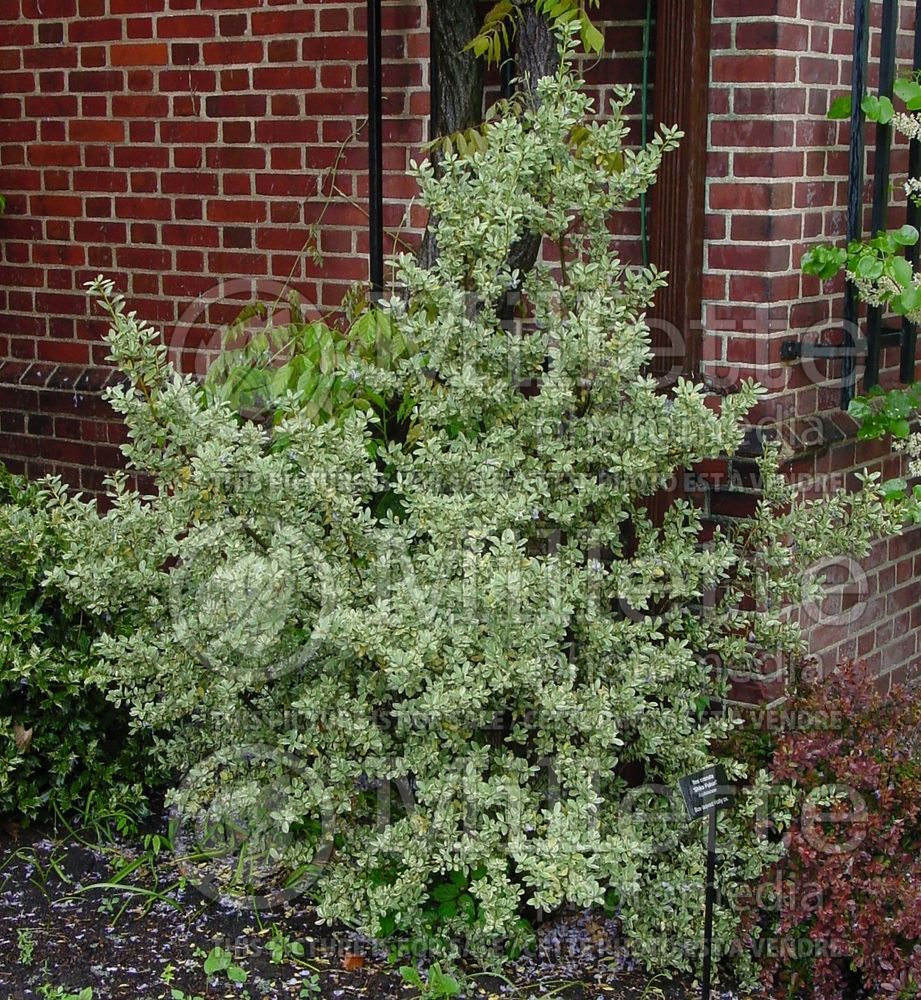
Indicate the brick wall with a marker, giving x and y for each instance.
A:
(174, 145)
(777, 185)
(193, 148)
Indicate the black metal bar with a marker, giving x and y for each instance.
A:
(708, 906)
(795, 349)
(375, 150)
(890, 28)
(855, 185)
(913, 217)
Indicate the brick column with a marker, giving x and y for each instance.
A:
(778, 185)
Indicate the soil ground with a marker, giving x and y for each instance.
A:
(63, 924)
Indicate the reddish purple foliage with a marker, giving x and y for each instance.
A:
(850, 885)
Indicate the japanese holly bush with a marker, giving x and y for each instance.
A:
(439, 709)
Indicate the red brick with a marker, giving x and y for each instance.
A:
(232, 131)
(221, 184)
(285, 105)
(140, 106)
(198, 182)
(286, 132)
(231, 80)
(234, 106)
(284, 50)
(18, 83)
(286, 78)
(754, 8)
(186, 26)
(48, 8)
(22, 180)
(821, 10)
(187, 208)
(95, 29)
(236, 158)
(134, 6)
(228, 53)
(151, 54)
(822, 70)
(96, 131)
(143, 258)
(96, 81)
(51, 81)
(192, 236)
(48, 155)
(775, 164)
(111, 232)
(335, 48)
(99, 180)
(236, 211)
(754, 69)
(747, 258)
(94, 56)
(142, 208)
(750, 288)
(281, 239)
(768, 227)
(182, 81)
(185, 53)
(18, 35)
(807, 314)
(813, 194)
(772, 35)
(233, 25)
(753, 133)
(195, 133)
(287, 22)
(237, 263)
(283, 159)
(746, 196)
(10, 108)
(334, 19)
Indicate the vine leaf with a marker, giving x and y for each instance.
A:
(501, 25)
(840, 107)
(499, 28)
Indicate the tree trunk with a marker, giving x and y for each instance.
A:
(459, 96)
(537, 55)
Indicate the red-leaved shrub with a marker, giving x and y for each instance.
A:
(848, 893)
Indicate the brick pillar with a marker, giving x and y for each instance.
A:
(778, 185)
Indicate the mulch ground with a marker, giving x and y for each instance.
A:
(59, 928)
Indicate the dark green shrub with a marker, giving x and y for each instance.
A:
(60, 739)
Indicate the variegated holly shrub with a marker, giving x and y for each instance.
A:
(445, 677)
